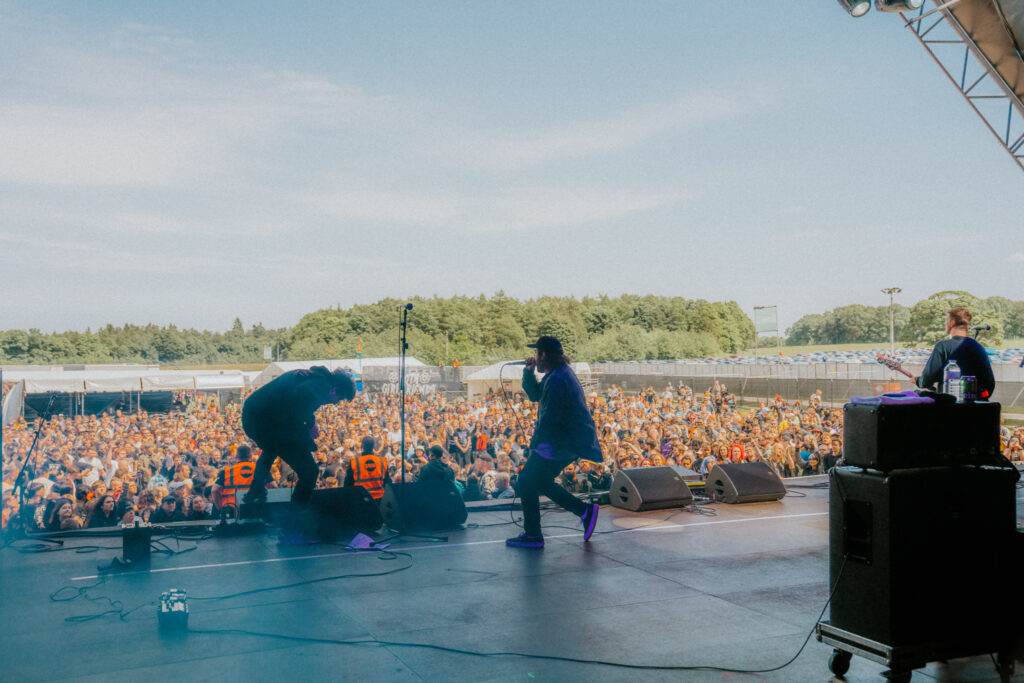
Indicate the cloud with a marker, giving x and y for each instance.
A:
(523, 208)
(135, 115)
(65, 255)
(616, 132)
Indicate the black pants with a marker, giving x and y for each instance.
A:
(537, 477)
(298, 458)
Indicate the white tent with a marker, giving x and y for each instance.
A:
(489, 380)
(277, 369)
(93, 381)
(141, 379)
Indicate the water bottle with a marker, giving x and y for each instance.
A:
(951, 379)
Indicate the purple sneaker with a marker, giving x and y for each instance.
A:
(525, 541)
(589, 520)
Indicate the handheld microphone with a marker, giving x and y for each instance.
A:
(516, 362)
(981, 327)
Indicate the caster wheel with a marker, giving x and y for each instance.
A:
(839, 662)
(898, 675)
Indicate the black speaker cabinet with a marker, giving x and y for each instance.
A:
(649, 488)
(423, 506)
(923, 555)
(334, 513)
(743, 482)
(921, 435)
(344, 511)
(135, 545)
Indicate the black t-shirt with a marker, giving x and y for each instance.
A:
(969, 355)
(436, 470)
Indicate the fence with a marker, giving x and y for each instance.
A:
(837, 381)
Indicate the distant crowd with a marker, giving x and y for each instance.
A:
(107, 470)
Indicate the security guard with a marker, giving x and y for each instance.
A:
(368, 470)
(234, 477)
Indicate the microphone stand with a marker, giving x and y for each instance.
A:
(19, 482)
(403, 527)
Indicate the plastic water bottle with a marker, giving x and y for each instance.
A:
(951, 379)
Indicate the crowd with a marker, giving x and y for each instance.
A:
(97, 471)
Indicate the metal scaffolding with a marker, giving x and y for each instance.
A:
(974, 75)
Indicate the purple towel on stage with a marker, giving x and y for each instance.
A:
(901, 398)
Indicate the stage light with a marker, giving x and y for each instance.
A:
(898, 5)
(857, 8)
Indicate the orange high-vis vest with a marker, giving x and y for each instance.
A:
(368, 471)
(235, 476)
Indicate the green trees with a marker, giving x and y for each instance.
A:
(928, 317)
(922, 323)
(482, 329)
(475, 330)
(138, 344)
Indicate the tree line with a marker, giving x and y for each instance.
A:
(474, 330)
(478, 330)
(921, 323)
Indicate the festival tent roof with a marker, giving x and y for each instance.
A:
(92, 381)
(280, 367)
(492, 377)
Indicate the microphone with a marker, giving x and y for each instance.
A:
(981, 327)
(407, 307)
(515, 362)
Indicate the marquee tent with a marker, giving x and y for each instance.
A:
(279, 368)
(91, 382)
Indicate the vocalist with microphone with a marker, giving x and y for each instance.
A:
(967, 352)
(564, 432)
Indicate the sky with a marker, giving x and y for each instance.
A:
(191, 162)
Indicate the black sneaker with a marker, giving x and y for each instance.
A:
(525, 541)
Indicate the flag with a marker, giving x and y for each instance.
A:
(12, 404)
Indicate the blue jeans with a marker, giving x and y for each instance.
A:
(537, 477)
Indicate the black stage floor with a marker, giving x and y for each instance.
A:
(738, 587)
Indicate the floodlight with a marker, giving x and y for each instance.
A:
(857, 8)
(898, 5)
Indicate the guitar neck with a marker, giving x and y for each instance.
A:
(905, 372)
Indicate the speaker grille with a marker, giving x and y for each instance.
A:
(649, 488)
(747, 482)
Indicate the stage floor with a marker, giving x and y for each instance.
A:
(735, 586)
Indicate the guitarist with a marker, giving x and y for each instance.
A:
(968, 353)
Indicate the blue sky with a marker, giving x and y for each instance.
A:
(190, 162)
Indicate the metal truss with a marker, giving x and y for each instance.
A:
(985, 89)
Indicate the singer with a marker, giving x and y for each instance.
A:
(968, 353)
(564, 432)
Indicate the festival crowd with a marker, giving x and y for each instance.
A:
(113, 469)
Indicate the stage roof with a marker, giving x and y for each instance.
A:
(992, 32)
(997, 28)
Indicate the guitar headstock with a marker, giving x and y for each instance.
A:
(890, 362)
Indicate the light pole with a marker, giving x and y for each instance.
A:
(892, 291)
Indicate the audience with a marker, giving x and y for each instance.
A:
(124, 467)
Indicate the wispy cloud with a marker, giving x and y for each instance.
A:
(523, 208)
(616, 132)
(71, 255)
(1016, 257)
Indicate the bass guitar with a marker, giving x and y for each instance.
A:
(893, 364)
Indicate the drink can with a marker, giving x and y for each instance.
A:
(969, 388)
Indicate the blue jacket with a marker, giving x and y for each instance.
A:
(565, 428)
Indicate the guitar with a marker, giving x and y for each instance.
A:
(893, 364)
